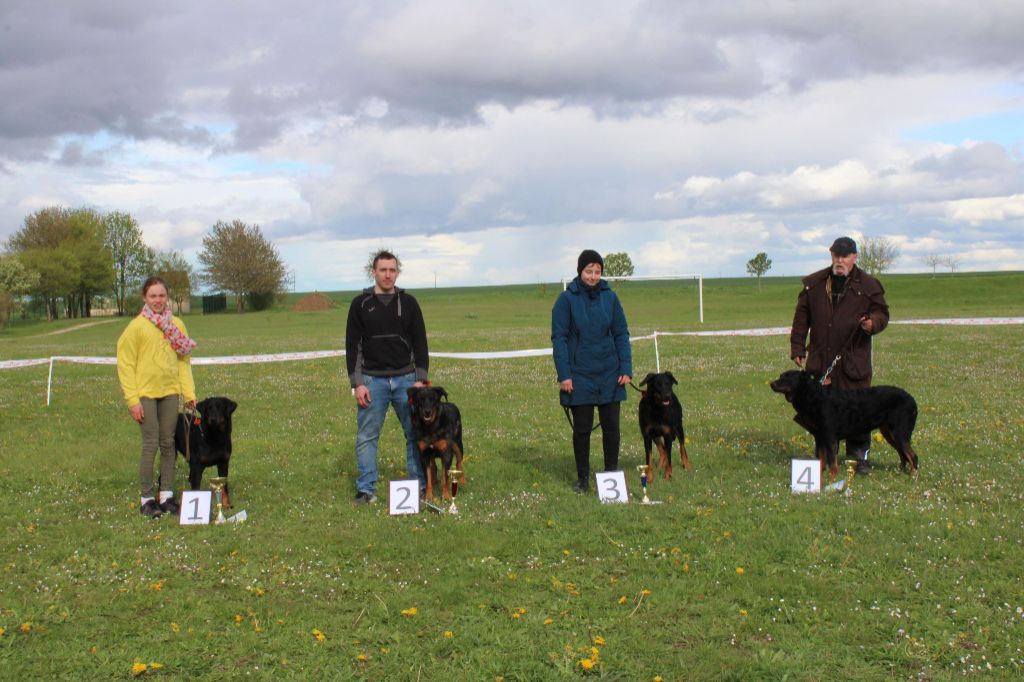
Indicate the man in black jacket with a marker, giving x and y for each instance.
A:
(386, 353)
(841, 307)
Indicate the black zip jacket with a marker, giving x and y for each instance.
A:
(385, 340)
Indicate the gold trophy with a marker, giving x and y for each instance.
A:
(453, 475)
(851, 471)
(218, 484)
(644, 469)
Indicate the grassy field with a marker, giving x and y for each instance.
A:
(733, 577)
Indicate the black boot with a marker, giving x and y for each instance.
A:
(858, 449)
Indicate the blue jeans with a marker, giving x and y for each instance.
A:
(384, 391)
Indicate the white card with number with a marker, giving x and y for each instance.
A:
(404, 497)
(611, 486)
(195, 507)
(806, 476)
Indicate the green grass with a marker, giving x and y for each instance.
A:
(908, 579)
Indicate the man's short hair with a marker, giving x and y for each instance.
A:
(385, 254)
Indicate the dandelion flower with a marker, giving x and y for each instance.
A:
(547, 621)
(517, 615)
(361, 658)
(157, 586)
(448, 634)
(586, 664)
(410, 611)
(599, 640)
(743, 612)
(26, 627)
(740, 570)
(138, 669)
(155, 666)
(622, 599)
(238, 618)
(175, 628)
(645, 592)
(319, 635)
(2, 632)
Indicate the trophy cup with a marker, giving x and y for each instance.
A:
(218, 484)
(851, 471)
(453, 475)
(644, 469)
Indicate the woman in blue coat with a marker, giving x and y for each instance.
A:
(593, 359)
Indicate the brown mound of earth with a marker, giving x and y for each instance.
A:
(314, 301)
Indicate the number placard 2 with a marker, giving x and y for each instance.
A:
(404, 497)
(805, 476)
(195, 507)
(611, 486)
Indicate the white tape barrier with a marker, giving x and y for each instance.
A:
(490, 355)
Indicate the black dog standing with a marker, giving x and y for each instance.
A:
(834, 414)
(208, 442)
(437, 429)
(661, 420)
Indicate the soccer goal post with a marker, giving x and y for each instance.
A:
(698, 277)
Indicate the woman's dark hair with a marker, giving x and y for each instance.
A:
(151, 281)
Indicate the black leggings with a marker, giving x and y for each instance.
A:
(583, 424)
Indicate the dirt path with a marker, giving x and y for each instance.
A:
(76, 327)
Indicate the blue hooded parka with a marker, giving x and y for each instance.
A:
(590, 341)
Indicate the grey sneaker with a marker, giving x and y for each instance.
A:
(363, 497)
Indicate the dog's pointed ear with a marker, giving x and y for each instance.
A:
(411, 392)
(669, 375)
(232, 405)
(647, 378)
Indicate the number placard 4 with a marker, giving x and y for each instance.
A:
(611, 486)
(404, 497)
(195, 507)
(805, 476)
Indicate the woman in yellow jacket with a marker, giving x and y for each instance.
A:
(154, 367)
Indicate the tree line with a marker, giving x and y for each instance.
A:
(62, 262)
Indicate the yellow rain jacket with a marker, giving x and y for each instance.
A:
(148, 367)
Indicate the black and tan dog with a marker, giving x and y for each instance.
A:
(209, 440)
(661, 420)
(437, 429)
(834, 414)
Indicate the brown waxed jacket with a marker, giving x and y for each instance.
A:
(831, 329)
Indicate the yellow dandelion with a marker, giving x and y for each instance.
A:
(361, 658)
(566, 552)
(599, 640)
(622, 599)
(657, 678)
(594, 653)
(551, 523)
(727, 534)
(448, 634)
(586, 664)
(155, 666)
(517, 615)
(238, 618)
(410, 611)
(4, 632)
(260, 591)
(848, 539)
(743, 612)
(645, 592)
(686, 568)
(175, 628)
(521, 610)
(547, 621)
(26, 627)
(740, 570)
(157, 586)
(384, 650)
(319, 635)
(138, 669)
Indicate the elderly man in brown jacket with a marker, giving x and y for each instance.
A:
(842, 307)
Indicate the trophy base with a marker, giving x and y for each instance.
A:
(650, 502)
(838, 486)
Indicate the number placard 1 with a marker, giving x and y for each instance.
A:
(404, 497)
(806, 476)
(195, 507)
(611, 486)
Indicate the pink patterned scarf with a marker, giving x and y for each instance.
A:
(181, 344)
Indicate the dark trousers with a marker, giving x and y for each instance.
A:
(583, 424)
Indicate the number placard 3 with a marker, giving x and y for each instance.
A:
(805, 476)
(611, 486)
(404, 497)
(195, 507)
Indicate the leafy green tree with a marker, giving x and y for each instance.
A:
(15, 281)
(236, 257)
(133, 260)
(179, 275)
(759, 265)
(95, 266)
(618, 265)
(875, 255)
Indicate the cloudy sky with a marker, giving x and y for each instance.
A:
(488, 142)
